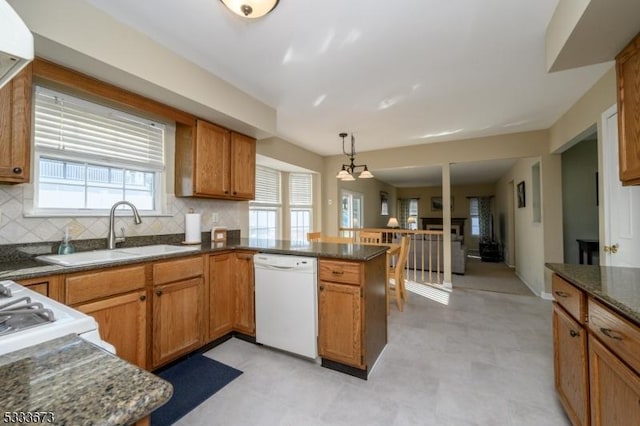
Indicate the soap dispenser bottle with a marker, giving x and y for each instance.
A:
(65, 246)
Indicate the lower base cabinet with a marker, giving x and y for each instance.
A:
(570, 366)
(221, 295)
(178, 308)
(615, 389)
(245, 317)
(340, 316)
(177, 319)
(122, 322)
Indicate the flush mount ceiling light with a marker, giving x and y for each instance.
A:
(347, 169)
(250, 8)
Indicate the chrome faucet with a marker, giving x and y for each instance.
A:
(112, 239)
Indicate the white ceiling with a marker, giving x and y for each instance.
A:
(394, 73)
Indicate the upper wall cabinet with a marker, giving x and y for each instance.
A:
(15, 128)
(628, 72)
(213, 162)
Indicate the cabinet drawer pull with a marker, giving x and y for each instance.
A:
(609, 333)
(337, 272)
(562, 293)
(143, 298)
(574, 333)
(17, 170)
(321, 288)
(159, 292)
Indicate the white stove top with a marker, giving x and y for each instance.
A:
(66, 321)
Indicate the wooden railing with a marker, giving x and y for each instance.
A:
(425, 251)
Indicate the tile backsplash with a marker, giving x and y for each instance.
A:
(15, 228)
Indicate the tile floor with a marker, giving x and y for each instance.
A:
(483, 359)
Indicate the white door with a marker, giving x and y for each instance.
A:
(621, 203)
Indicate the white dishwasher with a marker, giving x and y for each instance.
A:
(287, 303)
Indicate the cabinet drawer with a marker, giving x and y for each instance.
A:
(570, 298)
(622, 337)
(83, 287)
(177, 270)
(340, 272)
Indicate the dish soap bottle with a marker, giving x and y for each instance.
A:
(66, 247)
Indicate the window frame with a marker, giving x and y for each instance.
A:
(32, 208)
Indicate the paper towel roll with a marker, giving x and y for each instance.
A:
(192, 228)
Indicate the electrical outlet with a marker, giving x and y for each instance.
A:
(214, 217)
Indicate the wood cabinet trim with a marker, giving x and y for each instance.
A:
(48, 71)
(177, 269)
(85, 286)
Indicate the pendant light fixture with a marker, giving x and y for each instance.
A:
(250, 8)
(346, 173)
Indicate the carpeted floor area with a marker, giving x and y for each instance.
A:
(487, 276)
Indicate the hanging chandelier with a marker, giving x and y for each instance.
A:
(347, 171)
(250, 8)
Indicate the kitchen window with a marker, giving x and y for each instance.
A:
(88, 156)
(300, 205)
(264, 211)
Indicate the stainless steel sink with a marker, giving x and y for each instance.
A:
(107, 256)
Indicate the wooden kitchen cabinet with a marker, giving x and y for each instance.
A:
(628, 82)
(123, 323)
(597, 359)
(50, 286)
(340, 323)
(214, 162)
(615, 388)
(245, 317)
(571, 365)
(221, 295)
(178, 308)
(15, 128)
(570, 356)
(116, 298)
(352, 313)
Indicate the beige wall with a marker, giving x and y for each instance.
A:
(583, 114)
(529, 236)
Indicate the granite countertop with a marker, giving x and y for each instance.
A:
(79, 384)
(616, 287)
(24, 265)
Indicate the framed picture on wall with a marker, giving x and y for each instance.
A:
(384, 203)
(436, 204)
(521, 195)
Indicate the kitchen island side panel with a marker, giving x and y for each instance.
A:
(375, 332)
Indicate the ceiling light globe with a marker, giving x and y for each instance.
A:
(348, 178)
(250, 8)
(366, 174)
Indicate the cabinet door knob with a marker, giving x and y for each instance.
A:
(143, 298)
(17, 170)
(574, 333)
(321, 288)
(337, 272)
(159, 292)
(561, 293)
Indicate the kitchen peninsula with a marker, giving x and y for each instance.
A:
(224, 307)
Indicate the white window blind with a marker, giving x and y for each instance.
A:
(68, 125)
(300, 189)
(474, 213)
(267, 186)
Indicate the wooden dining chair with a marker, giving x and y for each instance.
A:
(369, 237)
(396, 273)
(339, 240)
(313, 236)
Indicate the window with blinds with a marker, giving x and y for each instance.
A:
(474, 213)
(300, 205)
(89, 156)
(264, 211)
